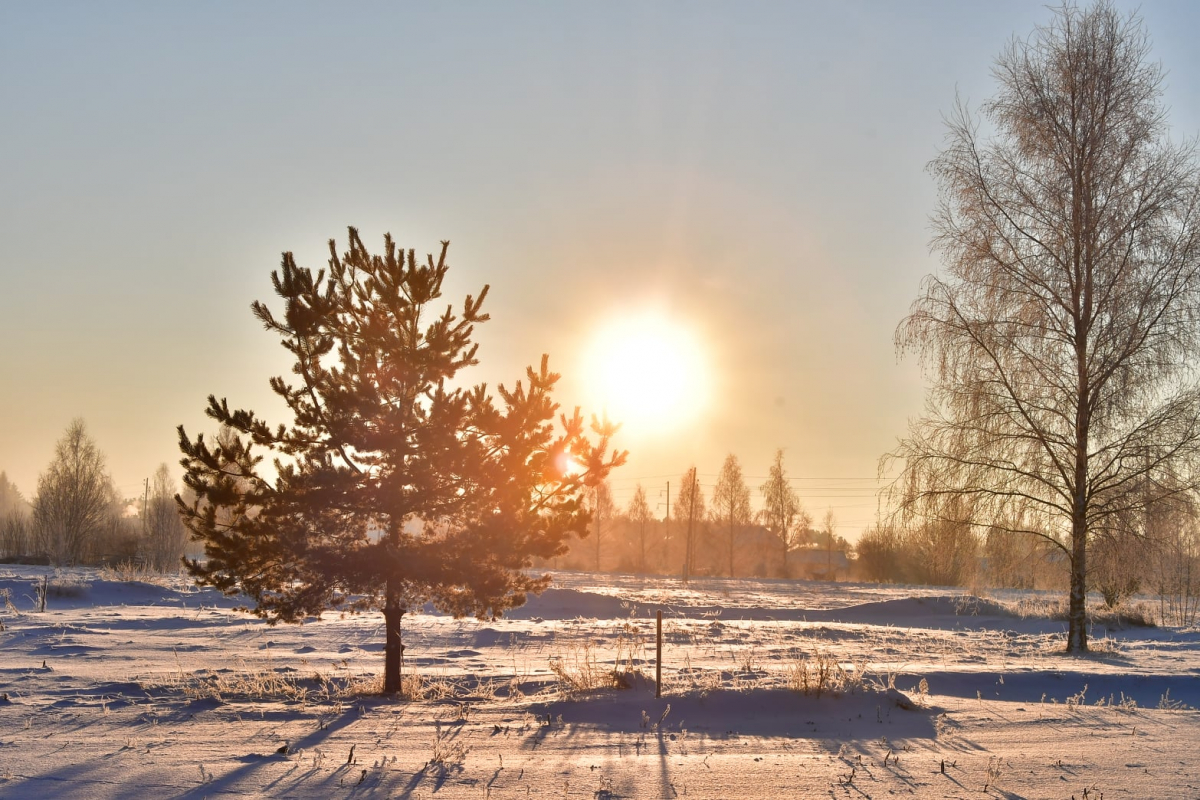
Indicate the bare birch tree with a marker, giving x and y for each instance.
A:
(166, 536)
(689, 511)
(639, 515)
(782, 511)
(75, 498)
(730, 505)
(603, 510)
(1059, 334)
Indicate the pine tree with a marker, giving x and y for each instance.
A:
(393, 487)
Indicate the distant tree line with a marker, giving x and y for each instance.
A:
(1155, 553)
(77, 516)
(718, 534)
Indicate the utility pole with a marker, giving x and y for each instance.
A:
(146, 509)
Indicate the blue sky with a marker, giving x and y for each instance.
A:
(754, 170)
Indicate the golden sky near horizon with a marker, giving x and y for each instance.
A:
(725, 204)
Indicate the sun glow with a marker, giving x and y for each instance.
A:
(647, 373)
(567, 466)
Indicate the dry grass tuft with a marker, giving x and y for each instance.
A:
(821, 673)
(65, 586)
(580, 669)
(6, 597)
(266, 684)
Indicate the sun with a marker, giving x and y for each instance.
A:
(648, 373)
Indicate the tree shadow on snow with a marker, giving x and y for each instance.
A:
(767, 713)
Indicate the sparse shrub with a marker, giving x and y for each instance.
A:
(821, 673)
(942, 553)
(579, 671)
(1122, 704)
(66, 586)
(1124, 615)
(6, 597)
(879, 555)
(1114, 565)
(125, 571)
(448, 753)
(1167, 704)
(747, 660)
(1021, 561)
(1174, 563)
(15, 535)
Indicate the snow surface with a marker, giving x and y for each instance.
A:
(158, 689)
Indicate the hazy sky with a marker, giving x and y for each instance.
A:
(752, 171)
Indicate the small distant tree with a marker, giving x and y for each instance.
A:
(392, 488)
(603, 515)
(730, 505)
(689, 511)
(942, 552)
(879, 554)
(1173, 560)
(11, 500)
(14, 519)
(166, 536)
(640, 516)
(782, 511)
(1117, 566)
(833, 542)
(1014, 560)
(75, 503)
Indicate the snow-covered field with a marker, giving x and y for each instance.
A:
(156, 689)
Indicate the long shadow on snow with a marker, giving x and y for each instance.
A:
(86, 781)
(252, 762)
(82, 592)
(1050, 685)
(940, 612)
(761, 712)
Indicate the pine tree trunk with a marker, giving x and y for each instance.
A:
(393, 653)
(1077, 614)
